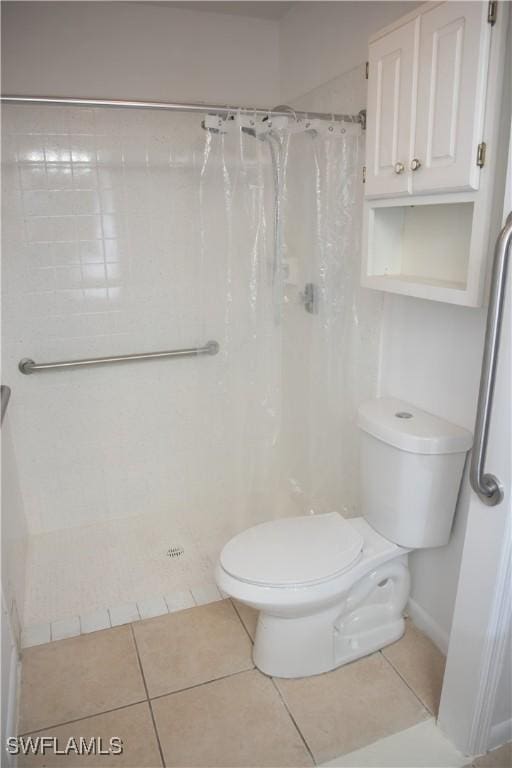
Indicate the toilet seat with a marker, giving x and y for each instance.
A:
(324, 546)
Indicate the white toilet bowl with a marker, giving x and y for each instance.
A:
(330, 590)
(334, 595)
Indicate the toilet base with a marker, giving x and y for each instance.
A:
(365, 620)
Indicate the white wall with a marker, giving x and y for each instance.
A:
(430, 356)
(321, 40)
(139, 51)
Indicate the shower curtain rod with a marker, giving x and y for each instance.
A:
(182, 107)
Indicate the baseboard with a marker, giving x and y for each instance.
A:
(426, 623)
(500, 734)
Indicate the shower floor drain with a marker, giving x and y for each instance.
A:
(175, 552)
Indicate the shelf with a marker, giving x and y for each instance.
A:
(421, 249)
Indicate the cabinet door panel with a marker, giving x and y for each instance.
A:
(452, 70)
(390, 105)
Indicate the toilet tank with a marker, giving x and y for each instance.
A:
(410, 471)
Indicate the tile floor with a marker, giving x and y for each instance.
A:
(182, 690)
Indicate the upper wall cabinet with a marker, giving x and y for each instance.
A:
(426, 97)
(452, 73)
(390, 110)
(435, 94)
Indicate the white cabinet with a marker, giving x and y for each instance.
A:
(390, 101)
(435, 93)
(426, 96)
(452, 70)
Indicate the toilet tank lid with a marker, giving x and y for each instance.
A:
(410, 429)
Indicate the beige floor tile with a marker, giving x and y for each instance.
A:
(248, 617)
(353, 706)
(132, 724)
(192, 647)
(498, 758)
(420, 663)
(238, 721)
(78, 677)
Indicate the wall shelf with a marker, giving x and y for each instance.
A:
(425, 247)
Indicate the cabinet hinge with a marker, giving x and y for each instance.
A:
(492, 12)
(480, 154)
(364, 174)
(367, 70)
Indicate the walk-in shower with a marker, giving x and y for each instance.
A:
(134, 235)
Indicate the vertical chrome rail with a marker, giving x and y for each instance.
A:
(5, 393)
(487, 486)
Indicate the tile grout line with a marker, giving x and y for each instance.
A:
(285, 705)
(200, 685)
(277, 689)
(84, 717)
(147, 696)
(241, 621)
(402, 678)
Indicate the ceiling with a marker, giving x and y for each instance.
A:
(271, 9)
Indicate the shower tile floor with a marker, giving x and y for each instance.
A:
(182, 690)
(78, 571)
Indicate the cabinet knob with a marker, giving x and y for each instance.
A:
(415, 164)
(399, 167)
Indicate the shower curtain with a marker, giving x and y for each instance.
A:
(329, 348)
(279, 208)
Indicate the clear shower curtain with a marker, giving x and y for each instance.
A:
(241, 303)
(281, 435)
(326, 373)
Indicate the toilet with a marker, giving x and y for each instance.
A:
(329, 589)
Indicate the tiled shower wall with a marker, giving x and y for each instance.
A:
(99, 260)
(117, 464)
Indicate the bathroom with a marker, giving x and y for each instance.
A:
(221, 192)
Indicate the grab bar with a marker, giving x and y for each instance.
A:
(27, 365)
(5, 393)
(487, 486)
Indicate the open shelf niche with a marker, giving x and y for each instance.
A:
(420, 249)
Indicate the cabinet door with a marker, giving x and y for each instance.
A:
(391, 83)
(452, 73)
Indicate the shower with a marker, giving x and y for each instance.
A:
(170, 236)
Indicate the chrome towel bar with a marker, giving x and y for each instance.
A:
(27, 365)
(487, 486)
